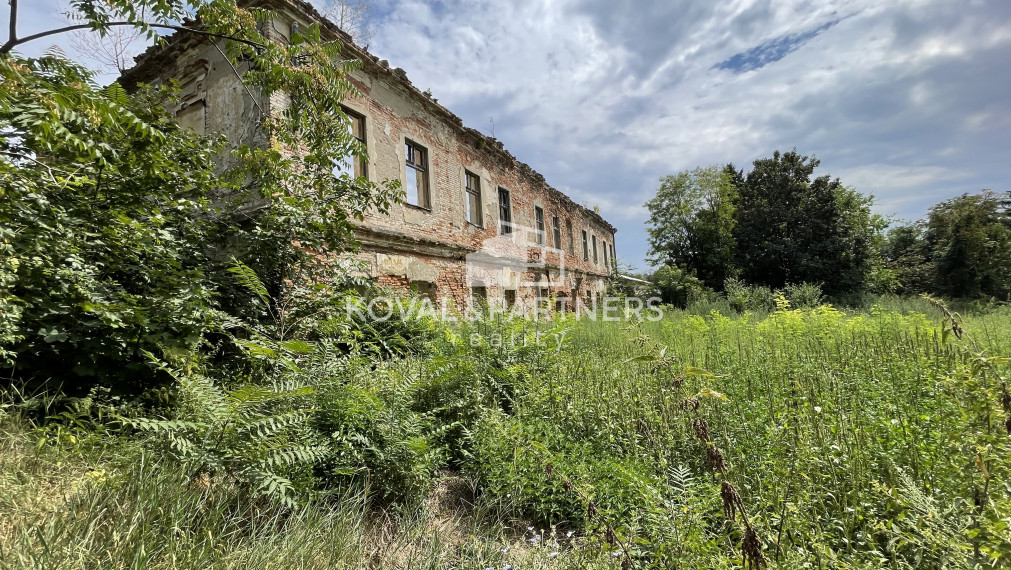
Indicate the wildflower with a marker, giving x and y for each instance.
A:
(895, 421)
(570, 533)
(553, 554)
(507, 567)
(617, 554)
(504, 550)
(530, 529)
(817, 409)
(535, 538)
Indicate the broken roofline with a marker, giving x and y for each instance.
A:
(146, 63)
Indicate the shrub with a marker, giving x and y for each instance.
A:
(743, 297)
(373, 437)
(678, 287)
(804, 295)
(404, 333)
(107, 260)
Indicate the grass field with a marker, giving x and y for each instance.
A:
(802, 438)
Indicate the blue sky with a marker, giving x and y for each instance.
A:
(908, 100)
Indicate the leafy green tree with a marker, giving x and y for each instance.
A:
(907, 256)
(962, 249)
(677, 287)
(969, 243)
(773, 227)
(792, 229)
(104, 212)
(691, 223)
(111, 246)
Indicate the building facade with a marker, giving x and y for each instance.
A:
(475, 221)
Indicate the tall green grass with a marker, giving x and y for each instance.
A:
(855, 440)
(831, 439)
(84, 502)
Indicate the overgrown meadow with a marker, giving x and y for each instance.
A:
(799, 438)
(184, 388)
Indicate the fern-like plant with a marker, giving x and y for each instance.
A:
(253, 434)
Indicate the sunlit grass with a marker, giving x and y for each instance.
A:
(853, 439)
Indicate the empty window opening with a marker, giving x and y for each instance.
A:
(424, 289)
(544, 297)
(479, 295)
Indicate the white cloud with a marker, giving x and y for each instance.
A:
(603, 99)
(897, 178)
(906, 99)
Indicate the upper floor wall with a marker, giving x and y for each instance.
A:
(459, 190)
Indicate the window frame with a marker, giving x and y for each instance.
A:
(358, 163)
(596, 258)
(422, 168)
(556, 232)
(505, 211)
(539, 233)
(568, 233)
(473, 194)
(586, 246)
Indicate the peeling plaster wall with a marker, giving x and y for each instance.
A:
(212, 98)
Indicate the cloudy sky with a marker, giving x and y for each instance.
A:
(908, 100)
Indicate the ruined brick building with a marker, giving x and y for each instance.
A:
(476, 222)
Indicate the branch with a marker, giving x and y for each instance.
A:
(49, 169)
(14, 41)
(13, 36)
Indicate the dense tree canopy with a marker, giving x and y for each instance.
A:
(962, 248)
(772, 227)
(692, 221)
(792, 229)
